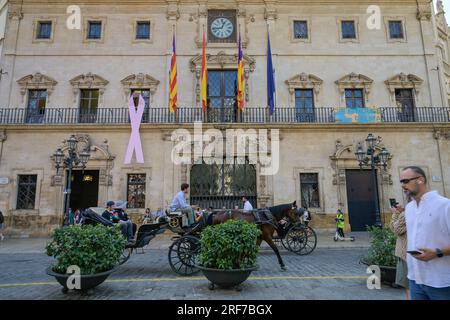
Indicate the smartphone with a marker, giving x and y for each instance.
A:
(393, 203)
(413, 252)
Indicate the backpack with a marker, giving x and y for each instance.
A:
(2, 219)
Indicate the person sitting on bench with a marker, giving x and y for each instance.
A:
(179, 204)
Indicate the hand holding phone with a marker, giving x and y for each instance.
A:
(393, 203)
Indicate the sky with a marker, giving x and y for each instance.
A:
(447, 9)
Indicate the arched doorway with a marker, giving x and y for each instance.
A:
(222, 185)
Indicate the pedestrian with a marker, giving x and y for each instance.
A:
(77, 216)
(2, 221)
(428, 242)
(340, 223)
(147, 216)
(247, 205)
(398, 226)
(71, 217)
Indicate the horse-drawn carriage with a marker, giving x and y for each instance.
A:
(185, 247)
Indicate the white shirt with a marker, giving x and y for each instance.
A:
(428, 226)
(248, 206)
(306, 215)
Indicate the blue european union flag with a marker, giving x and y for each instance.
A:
(270, 79)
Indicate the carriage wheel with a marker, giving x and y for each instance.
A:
(125, 255)
(183, 255)
(309, 242)
(296, 239)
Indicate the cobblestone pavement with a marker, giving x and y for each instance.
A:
(327, 273)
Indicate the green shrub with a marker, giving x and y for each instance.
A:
(382, 247)
(231, 245)
(94, 249)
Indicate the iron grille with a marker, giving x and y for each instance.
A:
(26, 194)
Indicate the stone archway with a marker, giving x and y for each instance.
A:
(101, 160)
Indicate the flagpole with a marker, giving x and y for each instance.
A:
(201, 98)
(238, 80)
(176, 109)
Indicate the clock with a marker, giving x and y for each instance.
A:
(222, 28)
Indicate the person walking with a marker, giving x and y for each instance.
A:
(2, 221)
(428, 242)
(398, 226)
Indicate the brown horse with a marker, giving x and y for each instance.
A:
(288, 211)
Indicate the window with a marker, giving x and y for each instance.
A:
(348, 29)
(88, 105)
(44, 30)
(396, 30)
(304, 105)
(309, 188)
(136, 191)
(26, 193)
(37, 100)
(143, 30)
(300, 30)
(354, 98)
(94, 30)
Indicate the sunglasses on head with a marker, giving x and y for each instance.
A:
(405, 181)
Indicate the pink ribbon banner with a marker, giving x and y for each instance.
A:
(135, 139)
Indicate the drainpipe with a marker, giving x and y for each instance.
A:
(437, 135)
(424, 52)
(2, 140)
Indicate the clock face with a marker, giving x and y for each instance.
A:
(222, 28)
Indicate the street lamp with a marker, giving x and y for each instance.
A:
(73, 160)
(370, 158)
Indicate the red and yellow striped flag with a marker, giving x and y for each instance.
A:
(240, 78)
(173, 88)
(204, 80)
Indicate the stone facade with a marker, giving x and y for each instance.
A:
(324, 62)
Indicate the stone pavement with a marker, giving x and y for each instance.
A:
(327, 273)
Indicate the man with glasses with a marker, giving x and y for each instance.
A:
(428, 241)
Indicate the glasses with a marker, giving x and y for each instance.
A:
(406, 181)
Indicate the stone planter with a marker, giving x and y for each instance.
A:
(86, 281)
(226, 278)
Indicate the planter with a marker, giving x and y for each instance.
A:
(387, 273)
(226, 278)
(86, 281)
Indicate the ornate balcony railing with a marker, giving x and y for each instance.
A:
(226, 115)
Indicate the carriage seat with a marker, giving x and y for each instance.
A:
(146, 233)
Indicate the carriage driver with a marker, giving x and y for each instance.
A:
(179, 204)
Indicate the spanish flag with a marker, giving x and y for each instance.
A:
(204, 80)
(240, 79)
(173, 89)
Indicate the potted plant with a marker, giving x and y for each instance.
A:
(94, 249)
(228, 253)
(382, 253)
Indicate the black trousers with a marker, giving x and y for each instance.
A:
(341, 232)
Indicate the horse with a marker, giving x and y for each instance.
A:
(289, 211)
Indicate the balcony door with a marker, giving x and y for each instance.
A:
(88, 105)
(222, 91)
(405, 101)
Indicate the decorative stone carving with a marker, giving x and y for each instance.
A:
(386, 178)
(424, 12)
(36, 81)
(355, 81)
(270, 10)
(221, 61)
(88, 81)
(404, 81)
(304, 81)
(139, 81)
(173, 13)
(15, 13)
(184, 171)
(441, 133)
